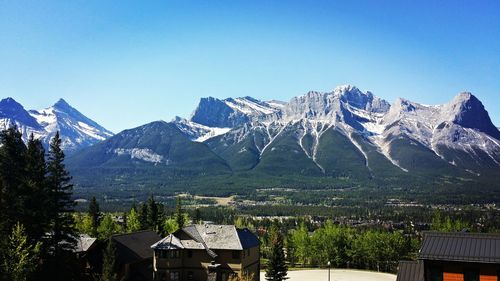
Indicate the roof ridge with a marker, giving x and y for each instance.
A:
(130, 233)
(465, 234)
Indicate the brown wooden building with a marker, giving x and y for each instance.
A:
(207, 252)
(134, 258)
(458, 256)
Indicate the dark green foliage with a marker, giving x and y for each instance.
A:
(13, 187)
(61, 203)
(285, 157)
(340, 158)
(143, 216)
(276, 269)
(110, 160)
(108, 263)
(37, 213)
(62, 230)
(153, 218)
(179, 213)
(95, 214)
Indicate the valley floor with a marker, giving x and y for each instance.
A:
(336, 275)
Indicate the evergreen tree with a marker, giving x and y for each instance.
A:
(20, 257)
(13, 189)
(62, 230)
(276, 267)
(197, 216)
(108, 265)
(37, 214)
(95, 215)
(152, 214)
(179, 213)
(143, 216)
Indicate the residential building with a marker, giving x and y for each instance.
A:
(458, 256)
(207, 252)
(134, 258)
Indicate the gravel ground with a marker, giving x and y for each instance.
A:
(336, 275)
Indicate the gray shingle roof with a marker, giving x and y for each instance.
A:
(410, 271)
(210, 237)
(83, 243)
(461, 246)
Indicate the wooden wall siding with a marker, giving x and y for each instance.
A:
(449, 276)
(488, 278)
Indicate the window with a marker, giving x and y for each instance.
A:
(174, 276)
(174, 254)
(471, 275)
(236, 254)
(190, 275)
(190, 253)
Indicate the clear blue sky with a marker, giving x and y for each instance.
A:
(126, 63)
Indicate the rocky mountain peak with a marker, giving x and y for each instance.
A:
(12, 110)
(467, 111)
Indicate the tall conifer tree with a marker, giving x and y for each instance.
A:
(276, 267)
(38, 218)
(62, 231)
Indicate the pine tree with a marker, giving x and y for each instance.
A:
(38, 217)
(13, 189)
(95, 214)
(143, 216)
(108, 266)
(20, 257)
(179, 213)
(276, 267)
(152, 214)
(62, 239)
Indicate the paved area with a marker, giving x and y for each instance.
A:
(336, 275)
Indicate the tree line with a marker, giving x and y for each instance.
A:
(36, 222)
(343, 247)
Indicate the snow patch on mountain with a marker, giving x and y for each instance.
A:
(143, 154)
(197, 132)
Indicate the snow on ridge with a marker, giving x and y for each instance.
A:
(144, 154)
(249, 107)
(212, 133)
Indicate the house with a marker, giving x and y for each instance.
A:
(207, 252)
(458, 256)
(134, 258)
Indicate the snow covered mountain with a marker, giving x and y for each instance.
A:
(77, 131)
(340, 138)
(455, 136)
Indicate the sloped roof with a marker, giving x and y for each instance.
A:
(461, 246)
(219, 237)
(83, 243)
(135, 246)
(247, 238)
(410, 271)
(172, 243)
(210, 237)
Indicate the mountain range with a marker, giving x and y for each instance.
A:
(341, 138)
(76, 130)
